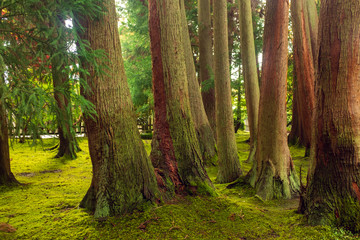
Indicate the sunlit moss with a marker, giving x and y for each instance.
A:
(46, 206)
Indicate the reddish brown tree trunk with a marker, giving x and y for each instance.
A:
(175, 151)
(333, 193)
(304, 94)
(275, 175)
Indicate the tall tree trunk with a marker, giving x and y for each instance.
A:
(6, 176)
(175, 151)
(202, 126)
(304, 69)
(252, 91)
(229, 165)
(123, 176)
(206, 60)
(231, 24)
(68, 145)
(275, 172)
(333, 194)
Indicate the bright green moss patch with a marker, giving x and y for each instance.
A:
(46, 206)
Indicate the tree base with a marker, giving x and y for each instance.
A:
(277, 186)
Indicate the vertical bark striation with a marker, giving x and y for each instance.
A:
(332, 195)
(202, 125)
(305, 73)
(252, 91)
(206, 60)
(123, 176)
(229, 165)
(275, 173)
(175, 150)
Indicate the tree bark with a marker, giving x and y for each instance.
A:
(275, 172)
(333, 195)
(252, 91)
(175, 151)
(202, 126)
(304, 70)
(229, 165)
(6, 176)
(123, 176)
(206, 60)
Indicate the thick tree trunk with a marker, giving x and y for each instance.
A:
(252, 91)
(305, 74)
(123, 176)
(202, 126)
(206, 60)
(275, 172)
(175, 151)
(333, 194)
(229, 165)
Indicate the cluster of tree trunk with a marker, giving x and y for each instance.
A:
(187, 120)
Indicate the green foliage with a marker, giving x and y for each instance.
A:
(46, 206)
(137, 57)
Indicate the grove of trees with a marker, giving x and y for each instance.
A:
(187, 69)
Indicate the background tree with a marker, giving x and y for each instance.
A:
(275, 173)
(175, 151)
(123, 177)
(229, 165)
(304, 94)
(201, 122)
(333, 195)
(252, 92)
(206, 61)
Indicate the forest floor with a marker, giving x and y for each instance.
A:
(45, 206)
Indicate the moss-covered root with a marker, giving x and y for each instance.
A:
(272, 185)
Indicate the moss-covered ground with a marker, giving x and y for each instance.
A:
(46, 206)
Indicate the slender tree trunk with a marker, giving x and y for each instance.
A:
(6, 176)
(229, 165)
(202, 126)
(175, 151)
(304, 69)
(68, 145)
(252, 91)
(206, 60)
(333, 194)
(231, 24)
(275, 172)
(123, 176)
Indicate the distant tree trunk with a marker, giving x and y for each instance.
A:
(206, 60)
(305, 74)
(175, 151)
(252, 91)
(333, 194)
(229, 165)
(68, 145)
(275, 172)
(231, 23)
(123, 176)
(202, 126)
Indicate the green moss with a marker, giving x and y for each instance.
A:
(46, 206)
